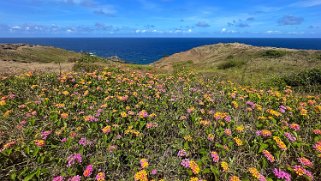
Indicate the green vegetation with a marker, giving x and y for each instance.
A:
(305, 78)
(232, 63)
(274, 53)
(116, 121)
(119, 124)
(42, 54)
(246, 65)
(183, 66)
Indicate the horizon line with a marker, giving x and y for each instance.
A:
(176, 37)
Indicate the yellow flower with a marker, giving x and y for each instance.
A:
(60, 105)
(238, 141)
(274, 113)
(317, 109)
(262, 118)
(194, 179)
(66, 93)
(235, 104)
(7, 113)
(234, 178)
(86, 93)
(195, 168)
(106, 129)
(279, 142)
(188, 138)
(303, 112)
(141, 176)
(240, 128)
(205, 123)
(254, 172)
(258, 107)
(123, 114)
(2, 102)
(224, 166)
(144, 163)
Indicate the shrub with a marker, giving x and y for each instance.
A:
(87, 67)
(305, 78)
(318, 56)
(274, 53)
(231, 64)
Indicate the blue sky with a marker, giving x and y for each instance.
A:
(160, 18)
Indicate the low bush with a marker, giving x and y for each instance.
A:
(231, 64)
(304, 78)
(86, 67)
(274, 53)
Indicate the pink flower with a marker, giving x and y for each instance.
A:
(290, 136)
(305, 162)
(75, 178)
(268, 156)
(227, 119)
(185, 163)
(88, 171)
(72, 159)
(295, 126)
(63, 140)
(215, 156)
(317, 131)
(154, 172)
(280, 174)
(45, 134)
(84, 142)
(228, 132)
(143, 114)
(58, 178)
(181, 153)
(251, 104)
(282, 109)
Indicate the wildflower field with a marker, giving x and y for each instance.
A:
(117, 124)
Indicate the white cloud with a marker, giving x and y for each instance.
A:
(307, 3)
(224, 30)
(272, 32)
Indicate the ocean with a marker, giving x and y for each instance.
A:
(149, 50)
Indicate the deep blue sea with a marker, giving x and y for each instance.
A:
(148, 50)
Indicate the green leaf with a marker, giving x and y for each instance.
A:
(263, 146)
(30, 176)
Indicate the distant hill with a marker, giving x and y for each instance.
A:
(26, 53)
(241, 62)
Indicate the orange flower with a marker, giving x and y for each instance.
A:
(106, 129)
(64, 115)
(39, 143)
(280, 143)
(234, 178)
(195, 168)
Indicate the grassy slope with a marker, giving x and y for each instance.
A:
(18, 58)
(250, 64)
(42, 54)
